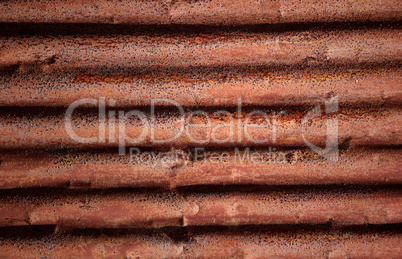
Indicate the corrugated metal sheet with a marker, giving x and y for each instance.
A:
(61, 197)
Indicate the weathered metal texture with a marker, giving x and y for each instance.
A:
(206, 87)
(333, 47)
(244, 206)
(264, 68)
(198, 12)
(250, 242)
(106, 169)
(63, 197)
(48, 129)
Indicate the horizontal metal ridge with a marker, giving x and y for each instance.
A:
(253, 241)
(54, 53)
(44, 129)
(375, 84)
(125, 208)
(100, 169)
(198, 12)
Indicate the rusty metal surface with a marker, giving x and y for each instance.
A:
(203, 69)
(43, 129)
(64, 195)
(205, 87)
(198, 12)
(243, 206)
(252, 242)
(332, 47)
(106, 169)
